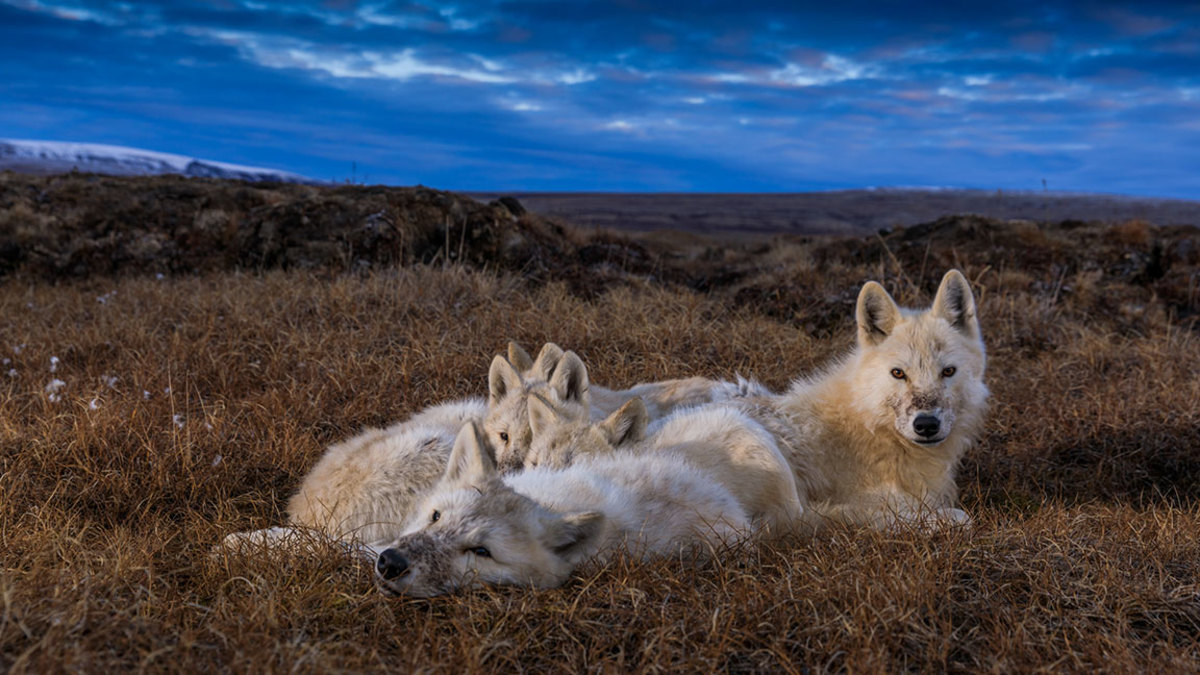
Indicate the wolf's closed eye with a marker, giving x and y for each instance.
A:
(480, 551)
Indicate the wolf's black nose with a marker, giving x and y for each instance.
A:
(926, 426)
(391, 564)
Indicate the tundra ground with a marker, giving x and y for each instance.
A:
(142, 419)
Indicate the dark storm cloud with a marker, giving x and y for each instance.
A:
(625, 95)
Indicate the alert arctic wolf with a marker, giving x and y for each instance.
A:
(533, 528)
(876, 438)
(721, 440)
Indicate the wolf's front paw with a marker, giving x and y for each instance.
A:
(951, 518)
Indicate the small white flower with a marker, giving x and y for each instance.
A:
(17, 348)
(217, 460)
(5, 361)
(109, 381)
(167, 391)
(94, 405)
(208, 426)
(54, 386)
(177, 419)
(160, 276)
(12, 372)
(145, 395)
(53, 364)
(54, 398)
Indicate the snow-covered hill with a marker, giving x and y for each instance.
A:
(58, 157)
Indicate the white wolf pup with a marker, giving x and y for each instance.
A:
(723, 441)
(876, 438)
(562, 377)
(364, 489)
(533, 528)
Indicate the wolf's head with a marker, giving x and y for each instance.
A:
(559, 436)
(921, 372)
(474, 529)
(557, 375)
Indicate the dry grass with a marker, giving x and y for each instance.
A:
(1085, 555)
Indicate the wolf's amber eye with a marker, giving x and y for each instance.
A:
(949, 371)
(480, 551)
(504, 436)
(435, 517)
(898, 374)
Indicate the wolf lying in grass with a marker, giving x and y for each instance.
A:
(564, 379)
(737, 451)
(875, 439)
(364, 488)
(534, 527)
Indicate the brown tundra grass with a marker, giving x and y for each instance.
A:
(190, 407)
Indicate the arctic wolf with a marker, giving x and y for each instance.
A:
(721, 440)
(876, 438)
(533, 528)
(562, 377)
(364, 488)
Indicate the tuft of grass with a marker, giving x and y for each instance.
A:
(192, 405)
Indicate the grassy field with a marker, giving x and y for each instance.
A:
(143, 418)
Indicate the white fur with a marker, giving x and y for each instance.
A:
(725, 442)
(848, 432)
(538, 525)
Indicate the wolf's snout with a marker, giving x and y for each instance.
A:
(926, 426)
(391, 564)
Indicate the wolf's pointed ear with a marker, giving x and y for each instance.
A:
(547, 361)
(471, 460)
(877, 314)
(518, 357)
(503, 380)
(956, 304)
(570, 380)
(543, 415)
(575, 535)
(627, 424)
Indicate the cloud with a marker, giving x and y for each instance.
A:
(715, 95)
(833, 69)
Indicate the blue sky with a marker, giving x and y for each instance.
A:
(626, 96)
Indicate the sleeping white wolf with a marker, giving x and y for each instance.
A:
(534, 527)
(725, 442)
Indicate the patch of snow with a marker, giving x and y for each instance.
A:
(56, 156)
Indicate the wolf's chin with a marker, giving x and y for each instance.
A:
(928, 442)
(401, 587)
